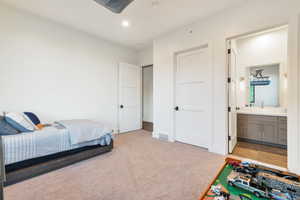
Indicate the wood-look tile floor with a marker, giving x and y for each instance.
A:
(261, 153)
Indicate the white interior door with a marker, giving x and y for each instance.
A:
(129, 97)
(232, 115)
(193, 98)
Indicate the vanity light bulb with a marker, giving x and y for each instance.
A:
(242, 85)
(285, 83)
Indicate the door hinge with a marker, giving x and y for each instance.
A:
(229, 137)
(229, 51)
(229, 109)
(228, 80)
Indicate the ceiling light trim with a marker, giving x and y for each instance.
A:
(116, 6)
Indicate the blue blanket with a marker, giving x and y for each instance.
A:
(82, 130)
(47, 141)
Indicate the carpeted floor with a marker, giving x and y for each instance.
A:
(139, 168)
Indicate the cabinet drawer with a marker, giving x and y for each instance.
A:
(282, 120)
(262, 119)
(242, 117)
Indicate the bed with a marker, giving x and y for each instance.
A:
(30, 154)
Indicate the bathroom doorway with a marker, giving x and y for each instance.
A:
(147, 96)
(258, 96)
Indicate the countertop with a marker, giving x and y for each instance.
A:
(268, 111)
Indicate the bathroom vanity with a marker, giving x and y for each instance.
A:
(262, 127)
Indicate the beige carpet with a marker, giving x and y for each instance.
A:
(139, 168)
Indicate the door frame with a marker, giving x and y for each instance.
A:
(293, 90)
(118, 96)
(142, 94)
(204, 45)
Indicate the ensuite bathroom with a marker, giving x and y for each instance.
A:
(258, 93)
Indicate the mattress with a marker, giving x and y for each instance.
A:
(49, 140)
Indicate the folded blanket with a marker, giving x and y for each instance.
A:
(84, 130)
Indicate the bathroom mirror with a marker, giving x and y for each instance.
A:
(264, 86)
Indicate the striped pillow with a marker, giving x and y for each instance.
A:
(19, 122)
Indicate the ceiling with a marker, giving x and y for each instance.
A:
(148, 18)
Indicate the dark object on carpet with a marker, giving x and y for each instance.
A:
(23, 170)
(116, 6)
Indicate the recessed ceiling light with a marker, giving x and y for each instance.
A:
(125, 23)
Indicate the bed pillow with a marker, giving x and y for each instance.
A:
(19, 122)
(35, 120)
(29, 120)
(5, 128)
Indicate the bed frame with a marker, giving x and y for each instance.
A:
(23, 170)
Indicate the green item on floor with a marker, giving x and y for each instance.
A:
(235, 192)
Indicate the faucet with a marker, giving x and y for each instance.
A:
(262, 105)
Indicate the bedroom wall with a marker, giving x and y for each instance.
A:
(57, 71)
(146, 56)
(214, 31)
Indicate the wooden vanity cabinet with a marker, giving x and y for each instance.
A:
(260, 129)
(282, 131)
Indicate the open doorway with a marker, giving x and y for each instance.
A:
(147, 74)
(258, 96)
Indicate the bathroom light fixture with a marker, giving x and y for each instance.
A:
(242, 83)
(125, 23)
(285, 81)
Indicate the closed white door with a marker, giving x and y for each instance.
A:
(232, 58)
(129, 97)
(193, 98)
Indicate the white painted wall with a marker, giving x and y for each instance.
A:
(264, 49)
(148, 94)
(214, 31)
(146, 56)
(56, 71)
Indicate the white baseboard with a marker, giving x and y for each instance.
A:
(154, 135)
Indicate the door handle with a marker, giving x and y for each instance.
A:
(176, 108)
(121, 106)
